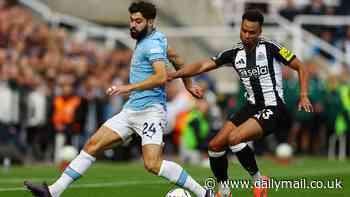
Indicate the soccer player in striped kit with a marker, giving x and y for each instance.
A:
(257, 61)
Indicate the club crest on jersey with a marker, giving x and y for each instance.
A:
(260, 57)
(253, 72)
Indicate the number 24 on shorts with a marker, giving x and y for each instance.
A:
(149, 129)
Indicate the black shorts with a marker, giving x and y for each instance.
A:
(270, 118)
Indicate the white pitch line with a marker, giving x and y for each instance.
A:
(11, 189)
(295, 173)
(21, 180)
(97, 185)
(126, 183)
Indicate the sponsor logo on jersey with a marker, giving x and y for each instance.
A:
(253, 72)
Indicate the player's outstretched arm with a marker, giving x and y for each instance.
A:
(190, 70)
(304, 102)
(157, 79)
(178, 62)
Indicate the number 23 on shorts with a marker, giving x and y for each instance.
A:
(265, 114)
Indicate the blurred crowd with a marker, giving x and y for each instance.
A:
(338, 36)
(52, 87)
(329, 89)
(52, 94)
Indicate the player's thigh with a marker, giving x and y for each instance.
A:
(152, 156)
(114, 130)
(150, 124)
(220, 140)
(272, 119)
(247, 131)
(235, 120)
(104, 137)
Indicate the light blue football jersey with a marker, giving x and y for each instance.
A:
(151, 48)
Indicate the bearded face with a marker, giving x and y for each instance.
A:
(139, 26)
(139, 34)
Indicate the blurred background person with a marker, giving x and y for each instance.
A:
(67, 115)
(194, 137)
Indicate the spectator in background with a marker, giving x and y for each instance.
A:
(4, 31)
(9, 113)
(7, 98)
(194, 137)
(36, 126)
(107, 76)
(346, 44)
(316, 7)
(327, 36)
(310, 123)
(92, 108)
(290, 85)
(344, 92)
(344, 7)
(67, 115)
(179, 103)
(214, 115)
(290, 11)
(37, 41)
(333, 103)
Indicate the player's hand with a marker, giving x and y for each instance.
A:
(117, 90)
(196, 91)
(305, 104)
(171, 76)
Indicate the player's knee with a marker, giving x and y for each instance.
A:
(215, 146)
(152, 166)
(234, 140)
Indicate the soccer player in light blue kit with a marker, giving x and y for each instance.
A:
(144, 112)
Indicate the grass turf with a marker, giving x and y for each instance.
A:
(130, 179)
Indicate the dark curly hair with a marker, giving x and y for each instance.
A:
(148, 10)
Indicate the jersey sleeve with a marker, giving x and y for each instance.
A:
(281, 53)
(154, 51)
(224, 57)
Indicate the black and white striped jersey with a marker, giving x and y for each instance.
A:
(259, 71)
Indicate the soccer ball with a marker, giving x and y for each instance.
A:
(68, 153)
(284, 150)
(178, 192)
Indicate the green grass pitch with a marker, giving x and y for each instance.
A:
(130, 179)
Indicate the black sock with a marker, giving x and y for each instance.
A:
(247, 159)
(219, 166)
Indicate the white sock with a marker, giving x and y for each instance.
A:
(176, 174)
(257, 175)
(238, 147)
(73, 172)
